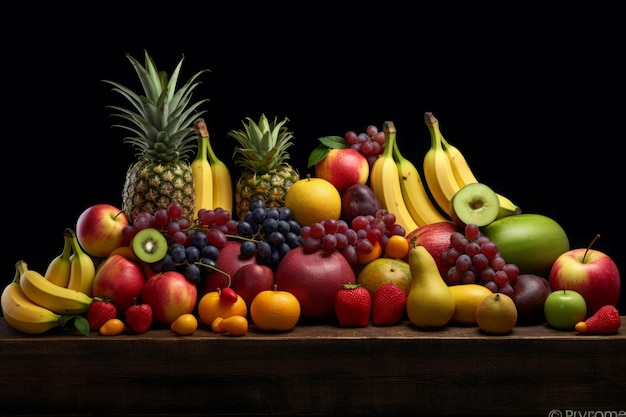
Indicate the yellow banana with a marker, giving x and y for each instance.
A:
(222, 180)
(24, 315)
(48, 295)
(201, 170)
(82, 268)
(58, 270)
(385, 182)
(417, 200)
(464, 175)
(437, 168)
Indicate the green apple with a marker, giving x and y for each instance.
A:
(564, 308)
(531, 241)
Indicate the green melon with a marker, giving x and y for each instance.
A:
(531, 241)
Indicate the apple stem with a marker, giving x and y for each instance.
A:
(597, 236)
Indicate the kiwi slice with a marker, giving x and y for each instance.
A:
(475, 203)
(149, 245)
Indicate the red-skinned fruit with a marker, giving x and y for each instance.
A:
(100, 311)
(353, 306)
(605, 320)
(228, 295)
(139, 318)
(388, 305)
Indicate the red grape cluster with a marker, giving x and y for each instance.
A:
(370, 143)
(473, 258)
(359, 236)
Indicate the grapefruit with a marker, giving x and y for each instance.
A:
(314, 278)
(313, 200)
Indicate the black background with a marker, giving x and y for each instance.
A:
(533, 99)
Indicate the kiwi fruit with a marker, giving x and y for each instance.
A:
(149, 245)
(475, 203)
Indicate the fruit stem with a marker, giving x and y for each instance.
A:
(597, 236)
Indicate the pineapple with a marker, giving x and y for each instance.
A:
(161, 123)
(262, 155)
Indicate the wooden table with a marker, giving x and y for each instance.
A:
(315, 370)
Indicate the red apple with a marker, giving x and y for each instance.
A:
(170, 294)
(343, 168)
(99, 229)
(590, 272)
(251, 279)
(228, 262)
(435, 237)
(119, 279)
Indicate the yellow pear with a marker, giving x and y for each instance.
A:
(430, 302)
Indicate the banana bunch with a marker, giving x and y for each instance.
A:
(417, 200)
(446, 171)
(59, 269)
(386, 184)
(82, 267)
(214, 186)
(23, 314)
(32, 304)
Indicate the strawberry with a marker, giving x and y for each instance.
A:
(139, 317)
(99, 312)
(388, 305)
(604, 321)
(353, 305)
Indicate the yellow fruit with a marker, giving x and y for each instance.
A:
(185, 324)
(496, 314)
(383, 270)
(313, 200)
(112, 327)
(466, 300)
(211, 307)
(235, 325)
(275, 310)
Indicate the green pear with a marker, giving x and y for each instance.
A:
(430, 302)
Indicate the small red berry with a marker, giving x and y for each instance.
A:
(139, 318)
(100, 311)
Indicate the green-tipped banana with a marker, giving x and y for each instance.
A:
(83, 269)
(24, 315)
(60, 300)
(58, 271)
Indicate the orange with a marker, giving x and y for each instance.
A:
(397, 247)
(211, 307)
(185, 324)
(496, 314)
(275, 310)
(383, 270)
(466, 300)
(313, 200)
(377, 252)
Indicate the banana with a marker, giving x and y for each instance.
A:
(222, 180)
(24, 315)
(437, 168)
(417, 200)
(385, 182)
(58, 270)
(48, 295)
(82, 268)
(464, 175)
(201, 169)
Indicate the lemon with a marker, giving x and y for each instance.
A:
(313, 200)
(466, 299)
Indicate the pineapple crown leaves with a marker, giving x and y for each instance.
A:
(162, 119)
(263, 145)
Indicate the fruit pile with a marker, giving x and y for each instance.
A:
(370, 239)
